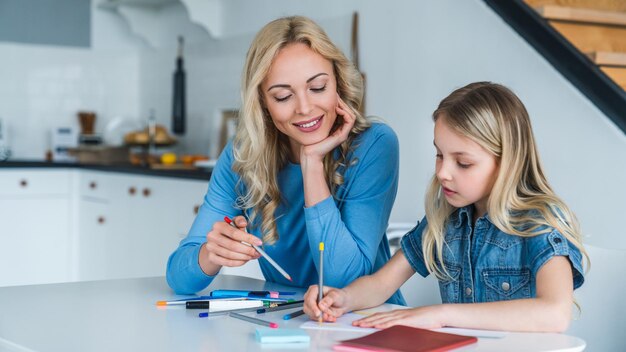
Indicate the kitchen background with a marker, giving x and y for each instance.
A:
(117, 58)
(118, 61)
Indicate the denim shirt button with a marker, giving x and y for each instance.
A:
(468, 291)
(557, 240)
(506, 286)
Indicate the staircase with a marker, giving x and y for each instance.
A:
(596, 28)
(584, 40)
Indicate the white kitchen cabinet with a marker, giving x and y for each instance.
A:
(130, 224)
(35, 226)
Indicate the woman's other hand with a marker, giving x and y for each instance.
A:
(335, 138)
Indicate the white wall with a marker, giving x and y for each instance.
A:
(413, 52)
(416, 52)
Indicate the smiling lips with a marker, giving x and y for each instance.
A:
(310, 125)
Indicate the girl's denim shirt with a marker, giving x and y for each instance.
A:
(490, 265)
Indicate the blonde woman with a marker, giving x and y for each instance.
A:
(304, 167)
(506, 250)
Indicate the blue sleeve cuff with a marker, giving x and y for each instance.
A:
(560, 246)
(194, 266)
(320, 209)
(184, 274)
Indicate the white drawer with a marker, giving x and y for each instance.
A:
(27, 182)
(94, 184)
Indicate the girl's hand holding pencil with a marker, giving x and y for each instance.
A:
(332, 306)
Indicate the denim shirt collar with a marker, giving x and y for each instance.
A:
(465, 215)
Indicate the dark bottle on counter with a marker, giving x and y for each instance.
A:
(178, 104)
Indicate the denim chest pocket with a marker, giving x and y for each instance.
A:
(449, 287)
(506, 284)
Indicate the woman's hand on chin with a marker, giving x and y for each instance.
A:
(318, 150)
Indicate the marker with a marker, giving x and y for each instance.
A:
(283, 306)
(246, 293)
(197, 304)
(225, 312)
(200, 298)
(321, 286)
(262, 252)
(293, 315)
(254, 320)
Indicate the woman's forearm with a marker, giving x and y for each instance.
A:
(315, 185)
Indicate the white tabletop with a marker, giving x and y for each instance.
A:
(120, 315)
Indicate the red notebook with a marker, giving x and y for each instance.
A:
(400, 338)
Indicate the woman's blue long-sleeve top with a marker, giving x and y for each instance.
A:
(351, 224)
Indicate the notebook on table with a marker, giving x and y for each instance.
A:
(402, 338)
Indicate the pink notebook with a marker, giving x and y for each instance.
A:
(402, 338)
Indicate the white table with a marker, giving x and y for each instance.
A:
(120, 315)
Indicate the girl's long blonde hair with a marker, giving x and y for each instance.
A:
(521, 200)
(260, 150)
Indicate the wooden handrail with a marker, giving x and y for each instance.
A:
(574, 14)
(608, 58)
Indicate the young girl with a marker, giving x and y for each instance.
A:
(506, 250)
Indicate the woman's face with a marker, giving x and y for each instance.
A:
(300, 93)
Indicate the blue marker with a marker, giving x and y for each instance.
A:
(247, 293)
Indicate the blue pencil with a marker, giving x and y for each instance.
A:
(293, 315)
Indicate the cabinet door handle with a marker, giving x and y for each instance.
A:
(93, 185)
(23, 183)
(146, 192)
(132, 191)
(101, 219)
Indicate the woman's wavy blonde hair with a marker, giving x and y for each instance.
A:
(260, 150)
(521, 200)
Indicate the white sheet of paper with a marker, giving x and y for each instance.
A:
(343, 323)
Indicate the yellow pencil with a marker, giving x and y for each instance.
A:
(321, 275)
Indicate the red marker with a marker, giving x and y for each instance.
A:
(261, 251)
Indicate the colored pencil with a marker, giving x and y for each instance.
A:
(283, 306)
(293, 315)
(261, 251)
(321, 286)
(253, 320)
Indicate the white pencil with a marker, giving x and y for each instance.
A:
(261, 251)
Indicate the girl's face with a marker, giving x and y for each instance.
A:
(465, 170)
(300, 93)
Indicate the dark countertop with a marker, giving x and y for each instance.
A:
(199, 174)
